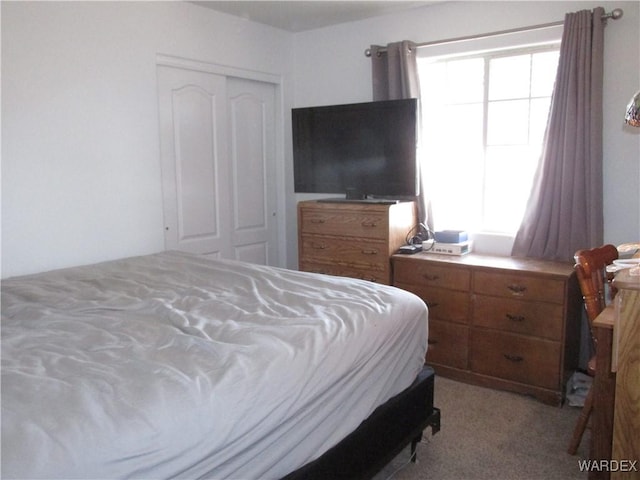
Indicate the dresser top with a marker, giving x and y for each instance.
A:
(342, 204)
(517, 264)
(625, 280)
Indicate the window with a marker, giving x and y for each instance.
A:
(484, 117)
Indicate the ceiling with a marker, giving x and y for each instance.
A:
(301, 15)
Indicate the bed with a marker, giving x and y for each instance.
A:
(176, 366)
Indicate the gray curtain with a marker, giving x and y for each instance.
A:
(394, 71)
(394, 75)
(564, 212)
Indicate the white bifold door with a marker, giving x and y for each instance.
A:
(217, 135)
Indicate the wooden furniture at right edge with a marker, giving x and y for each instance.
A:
(626, 357)
(500, 322)
(604, 386)
(620, 320)
(615, 429)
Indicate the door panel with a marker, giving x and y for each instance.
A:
(192, 109)
(252, 253)
(252, 146)
(248, 153)
(196, 160)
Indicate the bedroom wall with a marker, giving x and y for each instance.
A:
(330, 67)
(80, 156)
(80, 147)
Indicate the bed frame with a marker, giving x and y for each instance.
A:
(383, 435)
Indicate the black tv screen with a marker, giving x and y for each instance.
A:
(363, 150)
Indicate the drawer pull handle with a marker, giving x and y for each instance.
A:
(430, 278)
(515, 318)
(517, 289)
(369, 251)
(369, 224)
(317, 220)
(319, 246)
(432, 341)
(513, 358)
(432, 304)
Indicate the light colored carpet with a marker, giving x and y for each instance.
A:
(490, 434)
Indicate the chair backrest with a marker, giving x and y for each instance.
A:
(593, 278)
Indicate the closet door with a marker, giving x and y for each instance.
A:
(195, 169)
(218, 164)
(251, 120)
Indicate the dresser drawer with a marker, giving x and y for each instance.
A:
(522, 287)
(515, 357)
(449, 305)
(369, 253)
(344, 223)
(448, 344)
(537, 319)
(378, 276)
(432, 275)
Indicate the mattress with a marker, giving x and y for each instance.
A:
(176, 366)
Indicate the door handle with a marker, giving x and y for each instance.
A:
(513, 358)
(517, 289)
(431, 278)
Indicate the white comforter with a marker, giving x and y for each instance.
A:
(174, 366)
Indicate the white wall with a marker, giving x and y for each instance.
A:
(330, 67)
(80, 155)
(80, 148)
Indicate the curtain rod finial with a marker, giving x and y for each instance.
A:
(616, 13)
(367, 52)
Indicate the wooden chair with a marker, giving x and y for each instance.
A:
(597, 292)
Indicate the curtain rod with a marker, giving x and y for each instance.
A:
(615, 14)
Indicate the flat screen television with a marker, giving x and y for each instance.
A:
(363, 150)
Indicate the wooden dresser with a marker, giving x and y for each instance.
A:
(500, 322)
(615, 423)
(352, 239)
(626, 362)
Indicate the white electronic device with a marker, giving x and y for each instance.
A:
(451, 248)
